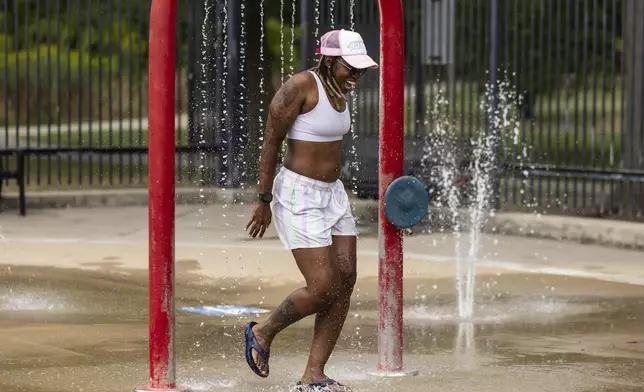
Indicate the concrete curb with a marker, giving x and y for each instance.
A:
(613, 233)
(621, 234)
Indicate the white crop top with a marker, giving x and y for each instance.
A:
(323, 123)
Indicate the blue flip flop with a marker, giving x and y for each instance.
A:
(318, 386)
(252, 344)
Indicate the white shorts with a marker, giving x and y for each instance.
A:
(307, 212)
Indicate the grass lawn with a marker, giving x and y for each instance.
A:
(116, 138)
(545, 143)
(581, 130)
(63, 173)
(578, 130)
(548, 108)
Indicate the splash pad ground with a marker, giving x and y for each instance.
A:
(73, 302)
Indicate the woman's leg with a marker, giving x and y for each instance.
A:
(329, 322)
(318, 266)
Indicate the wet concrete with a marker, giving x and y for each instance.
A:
(73, 311)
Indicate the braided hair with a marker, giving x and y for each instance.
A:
(326, 76)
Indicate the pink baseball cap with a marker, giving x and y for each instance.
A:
(349, 45)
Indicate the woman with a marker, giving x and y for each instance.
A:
(312, 213)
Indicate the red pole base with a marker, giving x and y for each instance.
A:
(146, 388)
(391, 165)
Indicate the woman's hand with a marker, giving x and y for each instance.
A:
(259, 220)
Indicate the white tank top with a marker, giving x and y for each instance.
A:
(323, 123)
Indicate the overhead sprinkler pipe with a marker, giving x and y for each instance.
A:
(161, 195)
(390, 166)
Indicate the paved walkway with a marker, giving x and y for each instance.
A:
(216, 232)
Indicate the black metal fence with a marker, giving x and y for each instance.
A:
(570, 79)
(570, 131)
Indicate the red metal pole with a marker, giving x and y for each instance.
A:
(391, 160)
(161, 193)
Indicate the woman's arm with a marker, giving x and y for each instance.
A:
(283, 110)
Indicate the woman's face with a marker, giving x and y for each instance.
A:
(346, 76)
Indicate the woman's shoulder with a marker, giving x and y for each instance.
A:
(303, 79)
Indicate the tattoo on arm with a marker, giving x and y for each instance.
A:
(283, 110)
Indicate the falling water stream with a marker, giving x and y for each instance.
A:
(282, 41)
(317, 23)
(332, 14)
(206, 121)
(242, 90)
(354, 166)
(291, 52)
(206, 39)
(261, 70)
(224, 95)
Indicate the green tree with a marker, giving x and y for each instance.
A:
(73, 42)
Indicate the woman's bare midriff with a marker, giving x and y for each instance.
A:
(318, 160)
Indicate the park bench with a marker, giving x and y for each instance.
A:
(16, 173)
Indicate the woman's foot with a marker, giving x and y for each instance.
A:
(257, 350)
(266, 345)
(321, 382)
